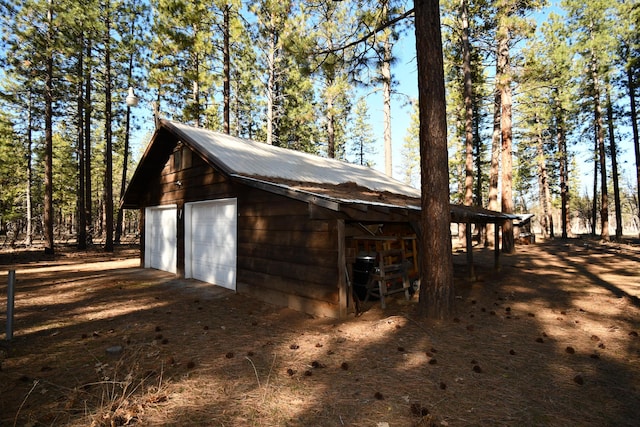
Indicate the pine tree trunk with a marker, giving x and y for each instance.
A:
(29, 231)
(634, 124)
(602, 157)
(468, 112)
(125, 160)
(195, 93)
(385, 72)
(594, 205)
(82, 217)
(604, 193)
(504, 86)
(614, 166)
(87, 146)
(48, 216)
(331, 131)
(226, 72)
(545, 199)
(495, 164)
(477, 146)
(123, 181)
(468, 104)
(564, 178)
(563, 165)
(436, 265)
(108, 156)
(271, 86)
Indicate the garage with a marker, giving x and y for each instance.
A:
(266, 221)
(160, 238)
(211, 241)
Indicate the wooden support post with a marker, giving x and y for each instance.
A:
(496, 249)
(180, 233)
(10, 303)
(142, 233)
(470, 269)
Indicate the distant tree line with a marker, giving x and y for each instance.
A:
(569, 80)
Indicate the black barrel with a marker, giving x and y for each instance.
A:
(365, 263)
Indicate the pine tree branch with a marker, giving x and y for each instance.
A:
(373, 32)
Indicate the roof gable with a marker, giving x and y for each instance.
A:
(237, 156)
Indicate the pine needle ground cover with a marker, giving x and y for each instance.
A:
(551, 339)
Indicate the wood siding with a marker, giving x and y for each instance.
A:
(188, 179)
(284, 257)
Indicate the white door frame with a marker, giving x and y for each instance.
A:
(188, 249)
(147, 237)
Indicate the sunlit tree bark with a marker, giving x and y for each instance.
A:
(436, 290)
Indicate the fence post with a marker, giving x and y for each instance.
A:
(10, 299)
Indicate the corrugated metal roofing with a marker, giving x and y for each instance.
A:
(327, 182)
(255, 159)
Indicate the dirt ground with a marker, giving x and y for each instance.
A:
(551, 339)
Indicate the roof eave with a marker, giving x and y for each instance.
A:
(354, 209)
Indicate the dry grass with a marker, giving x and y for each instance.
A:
(550, 340)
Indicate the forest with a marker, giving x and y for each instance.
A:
(541, 101)
(519, 106)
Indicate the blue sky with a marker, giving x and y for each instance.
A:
(405, 75)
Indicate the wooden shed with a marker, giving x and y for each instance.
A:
(277, 224)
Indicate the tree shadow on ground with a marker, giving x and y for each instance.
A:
(542, 342)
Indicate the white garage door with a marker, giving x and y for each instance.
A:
(211, 241)
(160, 238)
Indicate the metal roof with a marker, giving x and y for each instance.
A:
(256, 159)
(332, 184)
